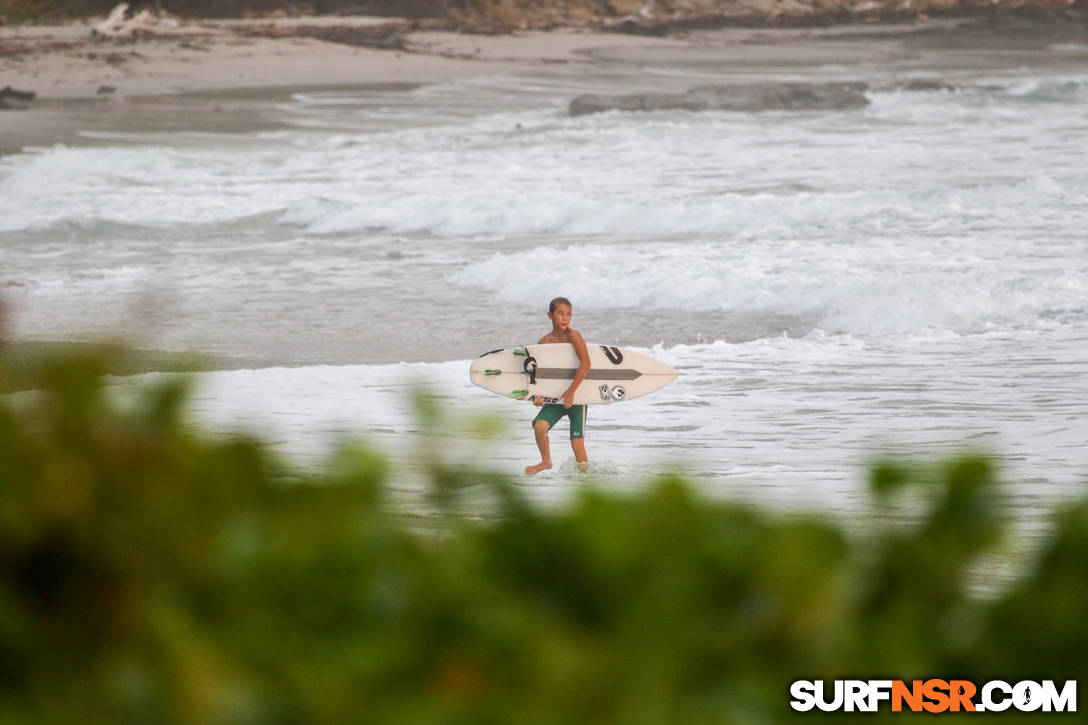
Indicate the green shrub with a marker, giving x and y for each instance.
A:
(152, 573)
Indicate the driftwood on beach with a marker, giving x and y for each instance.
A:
(748, 97)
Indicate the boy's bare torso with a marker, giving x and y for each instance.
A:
(564, 336)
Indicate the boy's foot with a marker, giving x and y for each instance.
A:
(533, 470)
(583, 466)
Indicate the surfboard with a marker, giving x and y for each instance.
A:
(615, 373)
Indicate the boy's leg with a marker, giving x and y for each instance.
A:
(577, 436)
(540, 429)
(580, 459)
(543, 423)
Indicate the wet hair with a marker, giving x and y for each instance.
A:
(559, 301)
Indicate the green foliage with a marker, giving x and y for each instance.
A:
(151, 573)
(23, 363)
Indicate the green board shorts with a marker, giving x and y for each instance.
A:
(552, 412)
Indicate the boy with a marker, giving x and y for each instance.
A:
(559, 312)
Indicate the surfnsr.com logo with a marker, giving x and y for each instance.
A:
(933, 696)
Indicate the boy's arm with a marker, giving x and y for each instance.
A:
(583, 367)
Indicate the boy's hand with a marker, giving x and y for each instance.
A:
(568, 399)
(538, 401)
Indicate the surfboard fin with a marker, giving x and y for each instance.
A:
(519, 394)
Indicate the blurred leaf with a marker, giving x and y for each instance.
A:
(152, 573)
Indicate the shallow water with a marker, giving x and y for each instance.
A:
(910, 277)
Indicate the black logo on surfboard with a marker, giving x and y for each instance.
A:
(612, 392)
(530, 367)
(613, 354)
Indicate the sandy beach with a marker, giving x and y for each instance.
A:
(85, 82)
(212, 71)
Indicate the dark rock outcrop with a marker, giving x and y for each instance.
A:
(13, 99)
(752, 97)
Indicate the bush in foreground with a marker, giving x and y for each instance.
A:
(154, 574)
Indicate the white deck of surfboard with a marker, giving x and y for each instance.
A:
(615, 373)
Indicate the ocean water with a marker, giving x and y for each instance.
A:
(908, 278)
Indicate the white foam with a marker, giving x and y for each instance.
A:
(634, 175)
(152, 186)
(877, 288)
(794, 421)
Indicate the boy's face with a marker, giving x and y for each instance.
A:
(561, 317)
